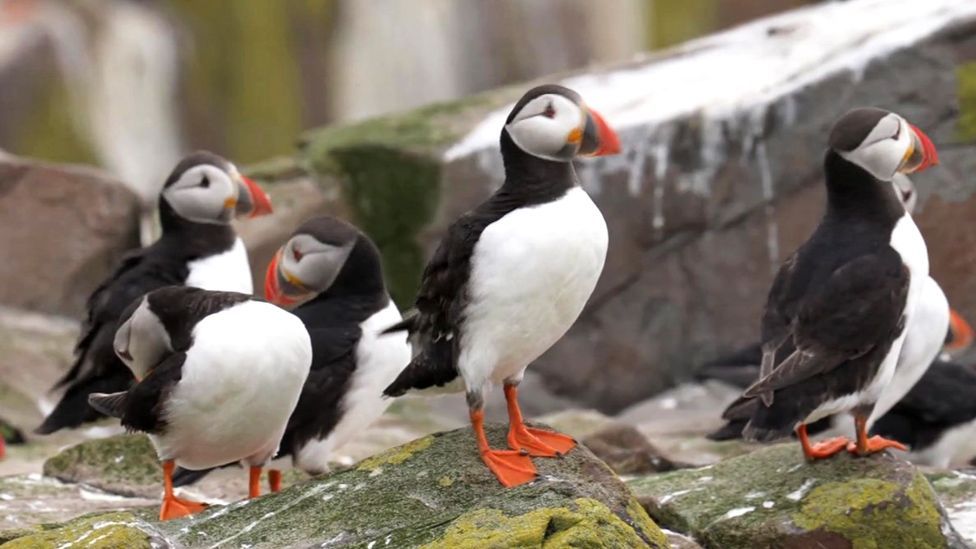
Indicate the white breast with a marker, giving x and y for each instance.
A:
(531, 274)
(241, 381)
(379, 359)
(956, 447)
(926, 335)
(225, 272)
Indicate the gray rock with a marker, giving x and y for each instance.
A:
(433, 492)
(774, 498)
(62, 228)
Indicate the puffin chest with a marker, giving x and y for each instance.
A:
(544, 258)
(227, 271)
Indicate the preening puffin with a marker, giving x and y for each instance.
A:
(839, 305)
(218, 374)
(512, 275)
(198, 247)
(336, 271)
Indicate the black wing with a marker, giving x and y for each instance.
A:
(142, 406)
(96, 368)
(858, 307)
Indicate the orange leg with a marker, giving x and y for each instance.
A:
(3, 447)
(511, 467)
(274, 480)
(820, 450)
(864, 445)
(254, 484)
(537, 442)
(174, 507)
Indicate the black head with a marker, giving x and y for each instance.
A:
(323, 253)
(553, 123)
(881, 142)
(206, 188)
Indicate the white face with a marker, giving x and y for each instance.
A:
(550, 126)
(905, 190)
(310, 265)
(884, 151)
(204, 194)
(142, 341)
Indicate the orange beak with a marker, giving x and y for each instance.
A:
(961, 333)
(272, 288)
(930, 157)
(599, 139)
(259, 198)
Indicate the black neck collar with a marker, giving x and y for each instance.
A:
(853, 191)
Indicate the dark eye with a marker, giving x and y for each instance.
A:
(298, 255)
(205, 182)
(550, 111)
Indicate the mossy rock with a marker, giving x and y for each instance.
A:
(432, 492)
(119, 530)
(774, 498)
(121, 464)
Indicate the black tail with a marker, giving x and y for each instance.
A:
(186, 477)
(73, 409)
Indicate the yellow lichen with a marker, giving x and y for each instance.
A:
(966, 91)
(111, 531)
(643, 522)
(590, 524)
(445, 481)
(874, 514)
(397, 455)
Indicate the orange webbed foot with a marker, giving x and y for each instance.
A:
(539, 442)
(511, 468)
(176, 507)
(826, 448)
(874, 445)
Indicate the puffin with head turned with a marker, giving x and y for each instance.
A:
(335, 272)
(217, 376)
(512, 275)
(198, 247)
(834, 323)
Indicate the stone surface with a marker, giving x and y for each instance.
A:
(719, 178)
(121, 464)
(957, 492)
(628, 452)
(773, 498)
(431, 492)
(62, 229)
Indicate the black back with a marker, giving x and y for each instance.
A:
(839, 301)
(441, 302)
(164, 263)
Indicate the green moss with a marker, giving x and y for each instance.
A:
(127, 459)
(397, 455)
(49, 131)
(640, 519)
(114, 530)
(953, 487)
(587, 523)
(966, 78)
(874, 514)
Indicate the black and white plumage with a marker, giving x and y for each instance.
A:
(218, 374)
(198, 247)
(336, 272)
(839, 306)
(511, 276)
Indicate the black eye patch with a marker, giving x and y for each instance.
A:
(205, 182)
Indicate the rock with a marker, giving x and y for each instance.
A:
(957, 492)
(628, 452)
(719, 179)
(432, 492)
(121, 464)
(66, 226)
(773, 498)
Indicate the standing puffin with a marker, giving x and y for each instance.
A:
(512, 275)
(338, 270)
(218, 374)
(843, 299)
(198, 247)
(926, 337)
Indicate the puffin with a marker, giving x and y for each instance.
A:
(512, 275)
(335, 272)
(217, 376)
(198, 247)
(839, 306)
(935, 328)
